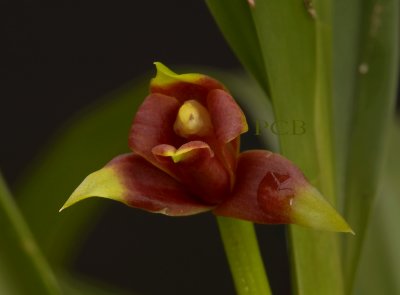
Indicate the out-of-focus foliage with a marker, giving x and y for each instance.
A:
(380, 260)
(23, 269)
(86, 143)
(334, 63)
(372, 110)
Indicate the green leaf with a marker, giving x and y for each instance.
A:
(374, 99)
(239, 30)
(23, 270)
(346, 31)
(89, 141)
(380, 261)
(295, 42)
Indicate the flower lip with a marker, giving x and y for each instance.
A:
(195, 165)
(188, 152)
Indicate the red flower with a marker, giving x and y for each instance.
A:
(185, 142)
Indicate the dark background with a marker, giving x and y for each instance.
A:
(63, 55)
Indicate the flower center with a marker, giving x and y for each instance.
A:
(192, 119)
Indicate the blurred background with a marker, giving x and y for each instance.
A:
(63, 56)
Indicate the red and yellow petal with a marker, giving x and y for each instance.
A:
(270, 189)
(153, 125)
(195, 165)
(132, 180)
(227, 118)
(183, 87)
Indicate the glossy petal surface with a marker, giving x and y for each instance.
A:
(137, 183)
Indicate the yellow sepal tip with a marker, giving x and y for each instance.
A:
(310, 209)
(104, 183)
(166, 76)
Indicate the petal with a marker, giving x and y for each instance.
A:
(229, 122)
(270, 189)
(195, 165)
(153, 125)
(228, 119)
(132, 180)
(183, 87)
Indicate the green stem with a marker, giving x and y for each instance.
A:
(245, 261)
(25, 269)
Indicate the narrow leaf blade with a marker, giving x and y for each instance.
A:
(373, 109)
(380, 259)
(236, 23)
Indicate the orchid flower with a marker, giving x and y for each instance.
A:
(185, 160)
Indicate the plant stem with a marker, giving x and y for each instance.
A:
(26, 270)
(245, 261)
